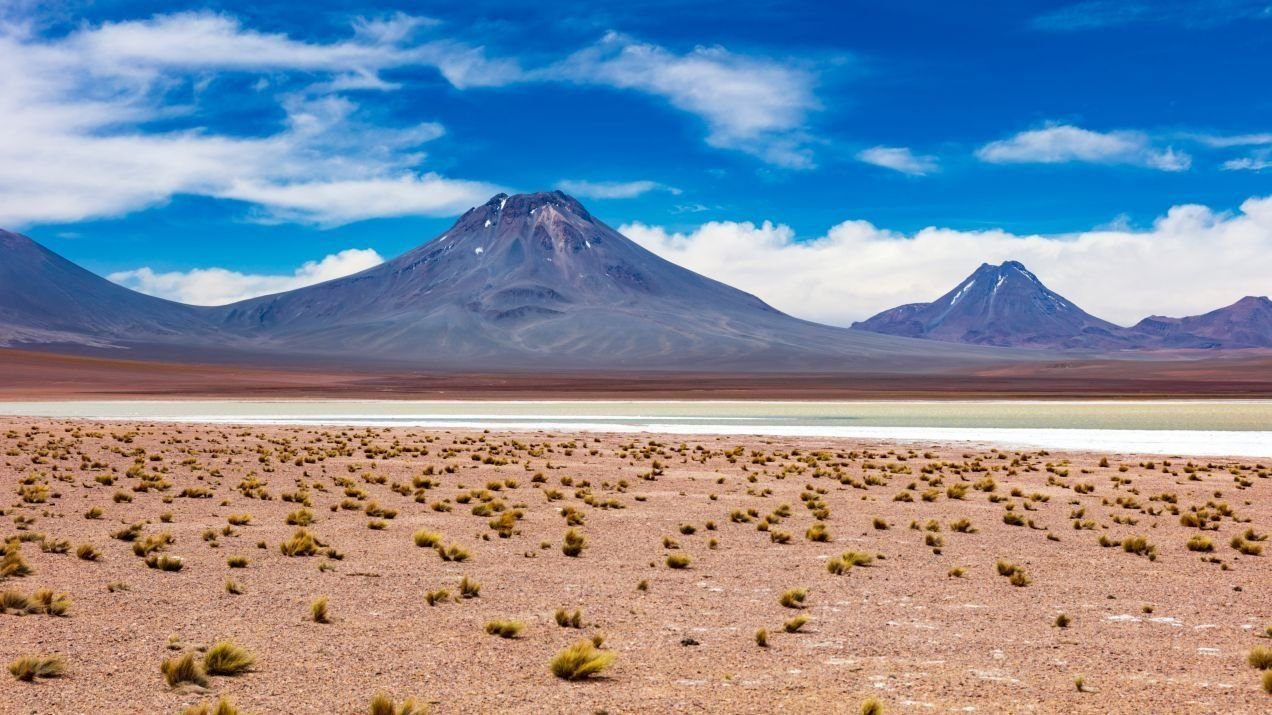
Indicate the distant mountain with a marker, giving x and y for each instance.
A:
(526, 282)
(1004, 306)
(1244, 324)
(46, 299)
(1008, 306)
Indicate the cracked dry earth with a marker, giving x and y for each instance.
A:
(1154, 625)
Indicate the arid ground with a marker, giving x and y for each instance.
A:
(935, 578)
(1240, 374)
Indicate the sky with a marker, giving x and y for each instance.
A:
(836, 159)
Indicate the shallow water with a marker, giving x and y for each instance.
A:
(1200, 428)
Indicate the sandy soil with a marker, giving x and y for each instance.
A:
(26, 375)
(1168, 634)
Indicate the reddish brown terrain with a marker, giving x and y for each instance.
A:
(937, 585)
(36, 375)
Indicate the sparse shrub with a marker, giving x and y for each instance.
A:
(433, 598)
(453, 553)
(469, 588)
(794, 624)
(504, 629)
(1200, 543)
(573, 543)
(233, 588)
(183, 669)
(382, 704)
(88, 553)
(1139, 545)
(223, 707)
(872, 706)
(226, 658)
(1260, 658)
(580, 661)
(794, 598)
(318, 611)
(678, 561)
(300, 517)
(164, 562)
(427, 539)
(29, 668)
(237, 562)
(565, 619)
(817, 532)
(1063, 621)
(761, 638)
(302, 543)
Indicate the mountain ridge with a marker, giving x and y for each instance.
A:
(1020, 311)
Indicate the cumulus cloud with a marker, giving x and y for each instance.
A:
(613, 189)
(749, 104)
(219, 286)
(1064, 143)
(1189, 261)
(898, 159)
(78, 113)
(74, 113)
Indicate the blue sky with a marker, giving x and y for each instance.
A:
(251, 138)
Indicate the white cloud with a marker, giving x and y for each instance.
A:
(613, 189)
(72, 113)
(753, 105)
(1190, 261)
(1063, 143)
(219, 286)
(1258, 161)
(898, 159)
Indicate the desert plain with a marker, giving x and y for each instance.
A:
(921, 578)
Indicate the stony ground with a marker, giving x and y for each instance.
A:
(929, 624)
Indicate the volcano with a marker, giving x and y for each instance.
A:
(1244, 324)
(1004, 306)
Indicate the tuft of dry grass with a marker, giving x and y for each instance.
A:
(761, 638)
(164, 562)
(427, 539)
(318, 611)
(382, 704)
(1260, 658)
(794, 598)
(872, 706)
(30, 667)
(226, 658)
(223, 707)
(469, 588)
(12, 565)
(581, 660)
(794, 624)
(678, 561)
(573, 543)
(504, 629)
(302, 543)
(182, 669)
(565, 619)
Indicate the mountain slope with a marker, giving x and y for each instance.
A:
(1005, 306)
(45, 299)
(1244, 324)
(535, 280)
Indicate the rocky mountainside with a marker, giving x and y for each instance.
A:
(1005, 306)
